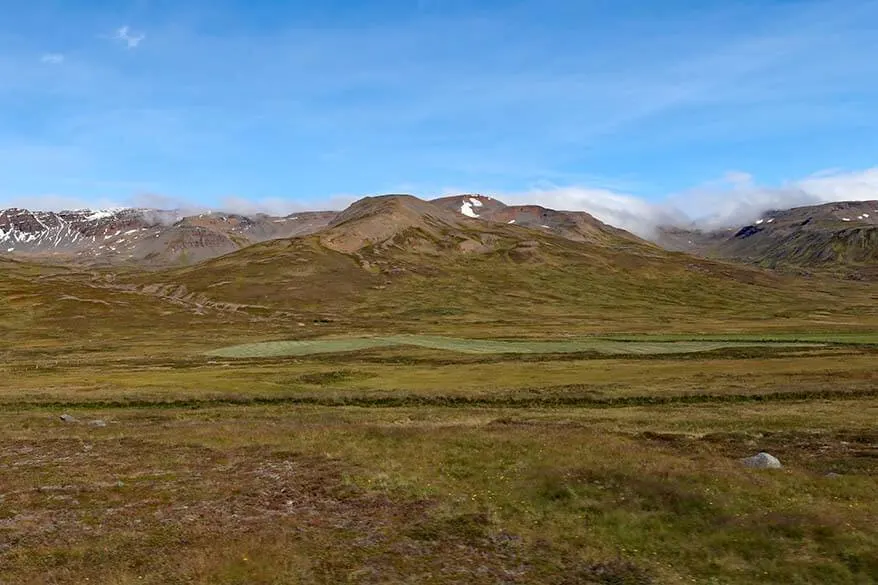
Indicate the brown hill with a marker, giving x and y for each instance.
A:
(401, 260)
(378, 220)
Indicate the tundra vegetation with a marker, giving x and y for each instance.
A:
(556, 413)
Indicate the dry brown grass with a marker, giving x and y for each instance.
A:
(420, 466)
(326, 495)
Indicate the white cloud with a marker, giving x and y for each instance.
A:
(738, 200)
(52, 58)
(840, 186)
(621, 210)
(127, 36)
(732, 201)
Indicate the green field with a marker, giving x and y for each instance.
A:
(488, 346)
(481, 467)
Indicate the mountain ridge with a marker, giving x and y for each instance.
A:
(400, 258)
(150, 237)
(839, 238)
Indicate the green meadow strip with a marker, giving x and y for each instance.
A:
(486, 346)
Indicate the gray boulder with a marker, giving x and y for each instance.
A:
(762, 461)
(67, 418)
(98, 423)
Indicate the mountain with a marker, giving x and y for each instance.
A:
(574, 225)
(142, 236)
(166, 238)
(834, 238)
(397, 261)
(401, 264)
(839, 239)
(377, 221)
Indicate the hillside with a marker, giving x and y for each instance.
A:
(397, 261)
(161, 238)
(836, 238)
(401, 264)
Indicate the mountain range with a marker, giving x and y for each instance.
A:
(142, 236)
(840, 239)
(394, 263)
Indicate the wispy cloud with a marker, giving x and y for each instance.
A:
(733, 200)
(530, 100)
(129, 37)
(842, 186)
(52, 58)
(737, 199)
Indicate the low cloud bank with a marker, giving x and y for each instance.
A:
(734, 200)
(627, 212)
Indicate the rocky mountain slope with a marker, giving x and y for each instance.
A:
(162, 238)
(836, 238)
(839, 238)
(403, 264)
(142, 236)
(401, 259)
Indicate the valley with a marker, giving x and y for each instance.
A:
(411, 394)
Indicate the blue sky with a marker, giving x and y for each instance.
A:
(309, 104)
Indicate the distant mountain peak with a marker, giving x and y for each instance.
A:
(139, 235)
(838, 238)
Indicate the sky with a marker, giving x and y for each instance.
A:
(638, 111)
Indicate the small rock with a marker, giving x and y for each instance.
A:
(762, 461)
(98, 423)
(67, 418)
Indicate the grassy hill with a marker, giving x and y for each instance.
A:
(399, 262)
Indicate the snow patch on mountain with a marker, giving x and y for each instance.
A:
(466, 208)
(101, 214)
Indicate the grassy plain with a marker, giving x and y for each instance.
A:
(412, 464)
(417, 465)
